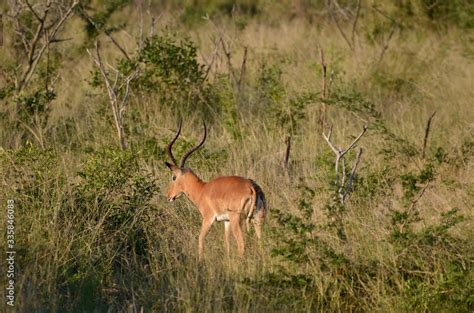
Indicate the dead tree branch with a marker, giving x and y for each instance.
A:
(242, 68)
(213, 59)
(413, 204)
(47, 27)
(324, 90)
(333, 4)
(354, 23)
(237, 79)
(118, 94)
(86, 16)
(287, 153)
(395, 26)
(427, 132)
(323, 74)
(228, 55)
(343, 188)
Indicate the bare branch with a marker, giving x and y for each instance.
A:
(386, 44)
(34, 12)
(341, 31)
(228, 55)
(37, 136)
(385, 15)
(354, 24)
(287, 152)
(213, 58)
(355, 140)
(413, 204)
(351, 176)
(34, 58)
(328, 140)
(118, 108)
(395, 25)
(323, 74)
(343, 179)
(107, 33)
(427, 132)
(342, 189)
(336, 4)
(350, 42)
(242, 68)
(418, 197)
(324, 89)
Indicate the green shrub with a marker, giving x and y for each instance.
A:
(169, 68)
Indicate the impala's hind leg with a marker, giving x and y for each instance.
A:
(257, 224)
(227, 237)
(236, 227)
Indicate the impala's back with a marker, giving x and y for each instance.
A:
(227, 194)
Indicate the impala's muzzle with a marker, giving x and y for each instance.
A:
(172, 198)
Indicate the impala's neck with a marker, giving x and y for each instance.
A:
(193, 187)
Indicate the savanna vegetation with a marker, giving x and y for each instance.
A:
(91, 92)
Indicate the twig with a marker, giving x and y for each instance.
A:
(242, 68)
(350, 42)
(415, 201)
(287, 152)
(229, 63)
(323, 74)
(427, 132)
(385, 45)
(343, 34)
(118, 107)
(395, 25)
(413, 204)
(351, 176)
(213, 58)
(356, 140)
(354, 24)
(385, 15)
(33, 57)
(343, 191)
(336, 4)
(107, 33)
(38, 138)
(324, 89)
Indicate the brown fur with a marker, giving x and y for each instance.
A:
(232, 195)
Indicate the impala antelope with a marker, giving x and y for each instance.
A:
(227, 199)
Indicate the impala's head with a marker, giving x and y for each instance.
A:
(180, 175)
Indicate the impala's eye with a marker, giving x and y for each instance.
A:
(174, 177)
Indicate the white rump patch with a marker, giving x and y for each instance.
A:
(222, 218)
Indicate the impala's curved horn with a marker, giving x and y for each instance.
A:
(170, 146)
(187, 155)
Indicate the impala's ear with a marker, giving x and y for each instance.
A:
(170, 166)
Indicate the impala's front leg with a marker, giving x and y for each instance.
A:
(227, 237)
(206, 225)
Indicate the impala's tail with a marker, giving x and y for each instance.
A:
(258, 209)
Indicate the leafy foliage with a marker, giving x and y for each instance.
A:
(169, 67)
(102, 12)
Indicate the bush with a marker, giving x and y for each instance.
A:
(169, 67)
